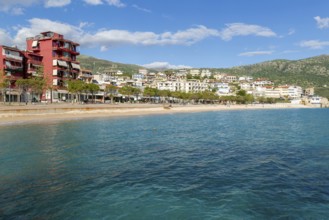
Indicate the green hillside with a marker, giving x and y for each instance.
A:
(99, 65)
(307, 72)
(310, 72)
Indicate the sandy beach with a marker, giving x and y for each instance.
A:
(44, 113)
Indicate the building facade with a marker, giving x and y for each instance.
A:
(59, 60)
(11, 69)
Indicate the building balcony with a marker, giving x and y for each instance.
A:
(66, 49)
(86, 75)
(14, 68)
(69, 59)
(13, 58)
(35, 49)
(35, 62)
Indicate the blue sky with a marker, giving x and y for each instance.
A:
(176, 33)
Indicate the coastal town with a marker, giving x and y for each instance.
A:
(48, 71)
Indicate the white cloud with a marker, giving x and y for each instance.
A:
(10, 5)
(291, 31)
(116, 3)
(314, 44)
(94, 2)
(256, 53)
(5, 38)
(240, 29)
(322, 23)
(17, 11)
(16, 7)
(141, 9)
(164, 65)
(38, 25)
(108, 38)
(290, 51)
(56, 3)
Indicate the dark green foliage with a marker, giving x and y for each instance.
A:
(99, 65)
(311, 72)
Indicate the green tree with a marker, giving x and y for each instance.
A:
(150, 92)
(38, 85)
(76, 87)
(241, 93)
(3, 85)
(23, 86)
(91, 88)
(112, 90)
(128, 90)
(164, 93)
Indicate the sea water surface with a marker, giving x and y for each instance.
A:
(250, 164)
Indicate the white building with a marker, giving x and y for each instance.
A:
(295, 92)
(183, 86)
(195, 72)
(206, 73)
(230, 78)
(222, 88)
(143, 71)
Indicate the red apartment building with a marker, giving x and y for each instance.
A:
(48, 53)
(59, 61)
(33, 64)
(12, 69)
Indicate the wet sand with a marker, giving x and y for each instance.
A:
(15, 114)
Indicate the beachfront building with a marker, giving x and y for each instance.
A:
(191, 86)
(222, 88)
(86, 76)
(206, 73)
(33, 64)
(143, 71)
(59, 61)
(11, 69)
(229, 78)
(194, 72)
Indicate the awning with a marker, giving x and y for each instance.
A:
(62, 63)
(62, 91)
(8, 64)
(55, 82)
(75, 66)
(35, 43)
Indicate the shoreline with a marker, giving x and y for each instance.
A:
(21, 114)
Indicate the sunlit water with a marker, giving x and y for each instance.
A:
(256, 164)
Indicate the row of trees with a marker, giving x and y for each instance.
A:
(199, 97)
(77, 87)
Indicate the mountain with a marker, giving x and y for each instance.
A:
(308, 72)
(99, 65)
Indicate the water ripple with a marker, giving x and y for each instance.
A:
(217, 165)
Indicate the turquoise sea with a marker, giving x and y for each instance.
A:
(250, 164)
